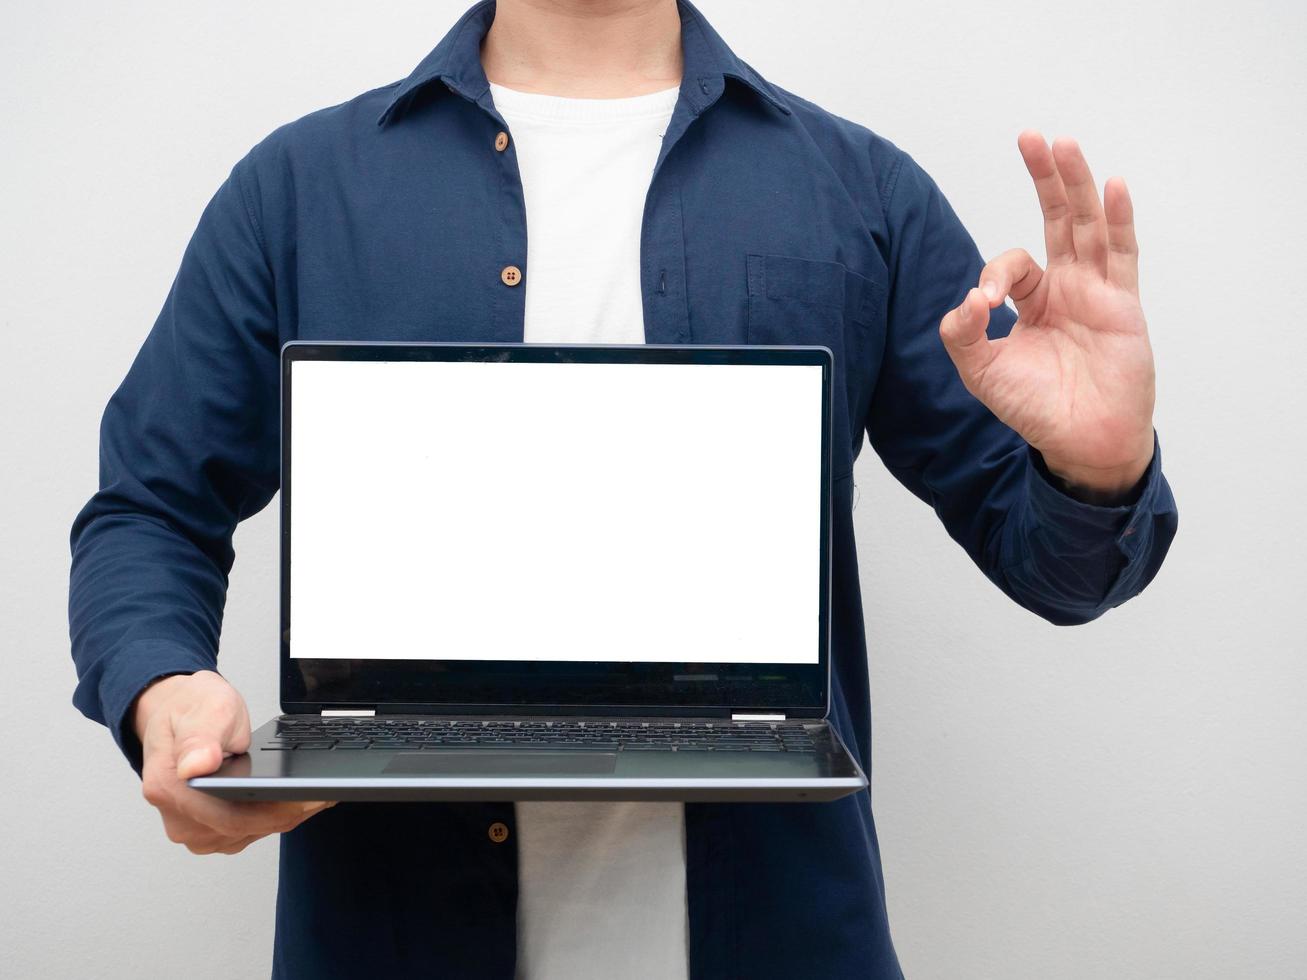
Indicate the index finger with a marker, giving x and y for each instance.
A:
(1088, 226)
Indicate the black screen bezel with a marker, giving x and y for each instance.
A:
(468, 686)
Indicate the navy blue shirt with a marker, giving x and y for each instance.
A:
(390, 217)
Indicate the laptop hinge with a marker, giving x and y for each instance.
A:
(754, 717)
(349, 712)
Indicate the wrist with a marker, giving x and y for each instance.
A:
(1102, 485)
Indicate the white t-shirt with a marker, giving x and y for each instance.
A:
(601, 886)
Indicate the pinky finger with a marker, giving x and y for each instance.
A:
(1122, 247)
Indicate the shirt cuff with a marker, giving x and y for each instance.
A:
(132, 668)
(1092, 525)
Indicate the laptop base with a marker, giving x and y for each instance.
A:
(269, 771)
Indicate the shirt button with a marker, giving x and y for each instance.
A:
(510, 275)
(498, 832)
(501, 141)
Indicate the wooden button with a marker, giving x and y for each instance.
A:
(501, 141)
(511, 275)
(498, 832)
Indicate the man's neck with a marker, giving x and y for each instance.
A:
(584, 49)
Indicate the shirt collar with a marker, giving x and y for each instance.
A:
(456, 61)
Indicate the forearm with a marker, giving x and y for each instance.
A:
(188, 448)
(143, 603)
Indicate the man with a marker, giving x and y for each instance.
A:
(672, 196)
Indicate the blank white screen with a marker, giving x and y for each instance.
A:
(564, 512)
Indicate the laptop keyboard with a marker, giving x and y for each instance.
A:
(409, 735)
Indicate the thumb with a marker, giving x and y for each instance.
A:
(201, 740)
(963, 333)
(198, 754)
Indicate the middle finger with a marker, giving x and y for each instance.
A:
(1088, 223)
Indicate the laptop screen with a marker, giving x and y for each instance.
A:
(519, 511)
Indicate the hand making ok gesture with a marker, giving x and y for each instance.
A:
(1075, 376)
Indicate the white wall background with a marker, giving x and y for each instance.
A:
(1120, 800)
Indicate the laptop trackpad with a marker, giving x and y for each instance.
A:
(481, 762)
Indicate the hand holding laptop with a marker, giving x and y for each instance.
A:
(187, 725)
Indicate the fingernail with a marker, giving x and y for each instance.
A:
(962, 310)
(990, 290)
(181, 763)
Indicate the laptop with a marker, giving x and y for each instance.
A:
(527, 572)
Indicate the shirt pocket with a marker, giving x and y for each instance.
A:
(797, 301)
